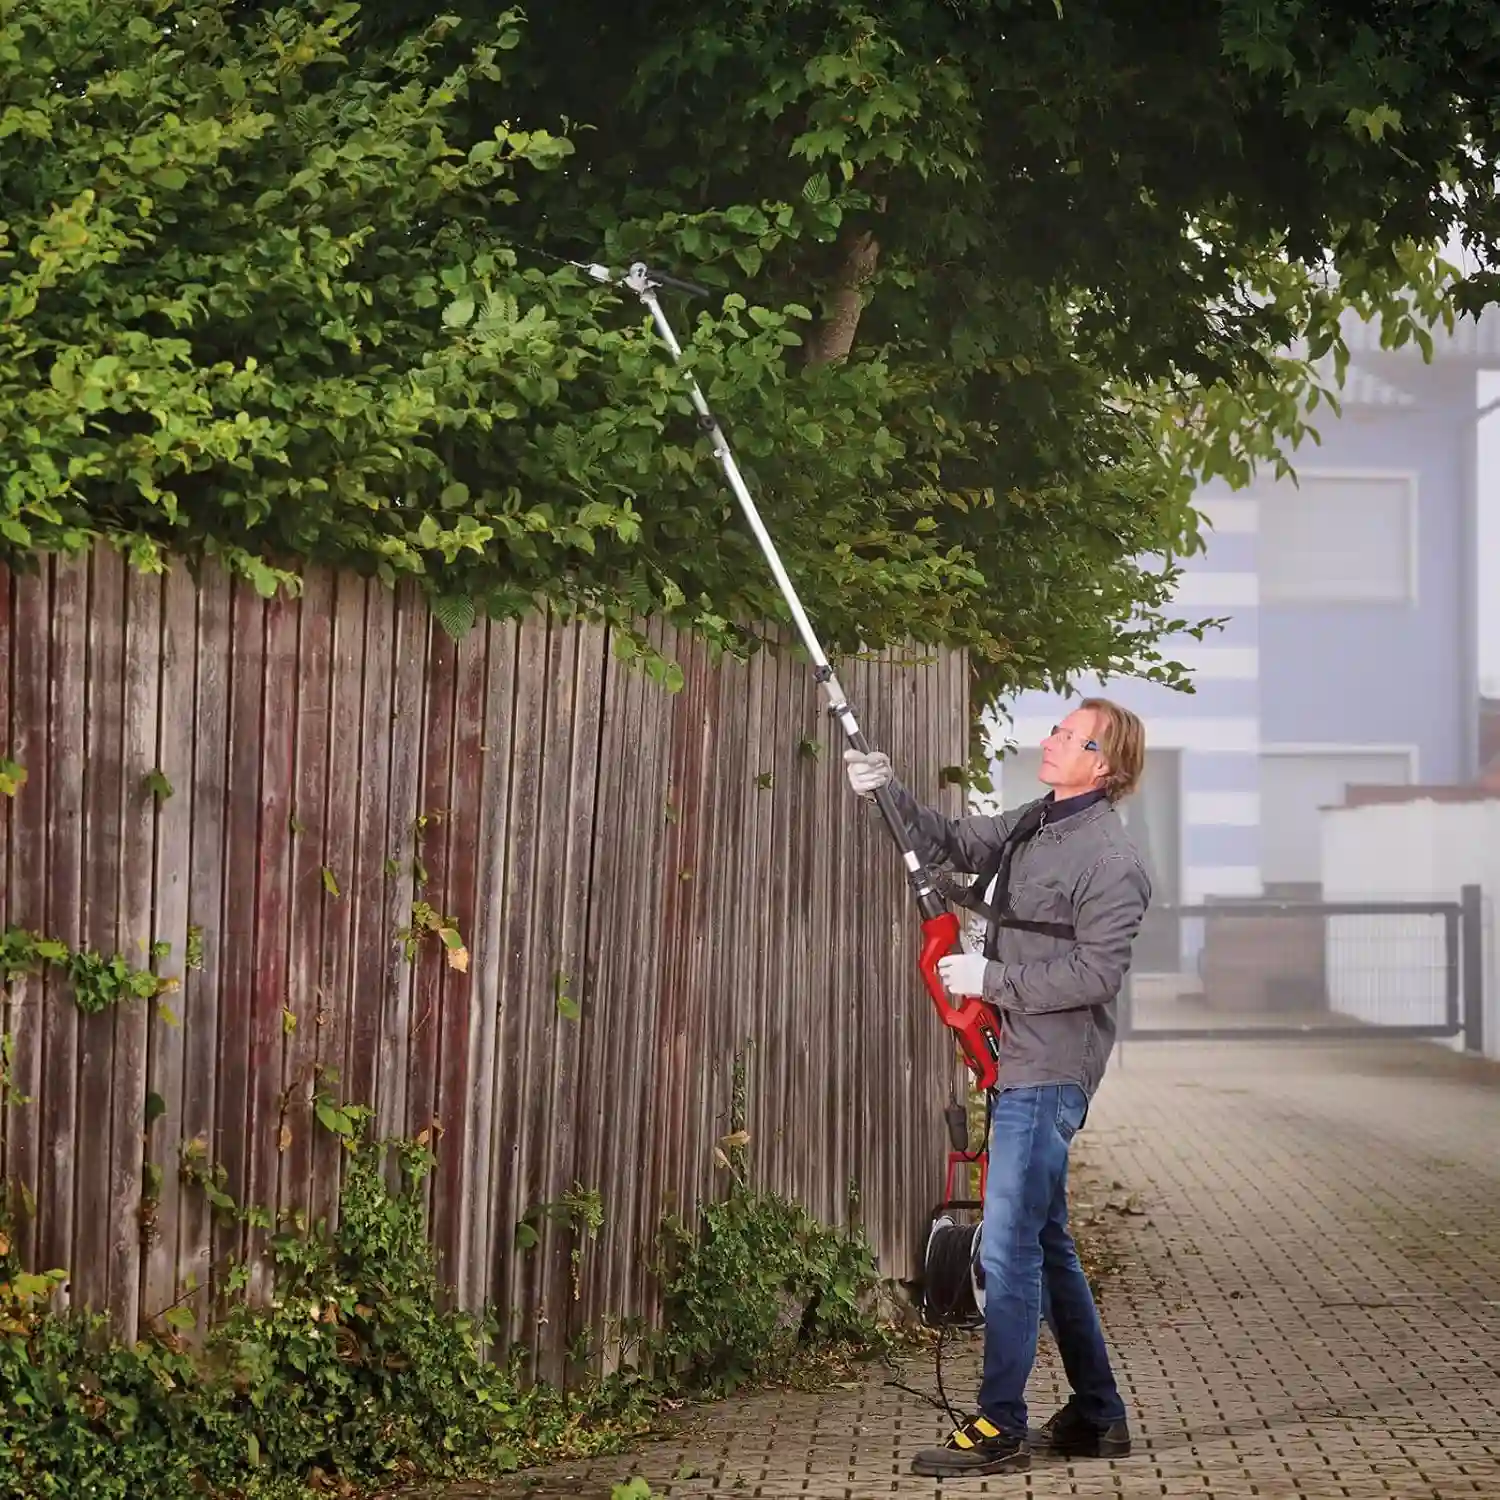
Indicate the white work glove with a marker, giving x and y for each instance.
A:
(963, 973)
(867, 770)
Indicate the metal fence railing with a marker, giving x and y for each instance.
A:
(1268, 969)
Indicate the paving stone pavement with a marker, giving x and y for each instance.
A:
(1309, 1305)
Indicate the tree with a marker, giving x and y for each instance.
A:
(993, 284)
(1085, 233)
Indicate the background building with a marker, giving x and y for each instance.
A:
(1351, 652)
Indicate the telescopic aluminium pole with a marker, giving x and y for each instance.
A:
(975, 1023)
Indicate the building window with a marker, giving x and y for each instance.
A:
(1295, 784)
(1339, 539)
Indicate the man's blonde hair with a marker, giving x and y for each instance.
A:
(1122, 743)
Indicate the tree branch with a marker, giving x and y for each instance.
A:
(834, 336)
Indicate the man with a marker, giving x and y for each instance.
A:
(1056, 993)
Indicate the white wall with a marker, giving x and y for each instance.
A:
(1488, 549)
(1390, 969)
(1297, 780)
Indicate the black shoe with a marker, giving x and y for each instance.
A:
(1069, 1434)
(978, 1447)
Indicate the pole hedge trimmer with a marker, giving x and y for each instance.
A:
(975, 1025)
(950, 1286)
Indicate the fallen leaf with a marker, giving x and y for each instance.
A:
(458, 958)
(284, 1140)
(734, 1141)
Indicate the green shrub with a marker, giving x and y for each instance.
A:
(759, 1284)
(356, 1375)
(355, 1371)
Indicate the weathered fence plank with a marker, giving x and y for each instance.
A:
(343, 858)
(104, 786)
(403, 852)
(551, 979)
(203, 998)
(273, 903)
(59, 913)
(25, 1115)
(434, 820)
(228, 1147)
(372, 951)
(139, 793)
(613, 1133)
(518, 958)
(464, 812)
(675, 921)
(317, 878)
(481, 1143)
(165, 1124)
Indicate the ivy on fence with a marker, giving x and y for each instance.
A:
(98, 981)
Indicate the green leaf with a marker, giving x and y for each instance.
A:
(634, 1488)
(180, 1318)
(817, 189)
(455, 613)
(12, 778)
(330, 884)
(334, 1119)
(156, 1107)
(459, 313)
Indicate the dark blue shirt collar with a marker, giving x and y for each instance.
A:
(1057, 811)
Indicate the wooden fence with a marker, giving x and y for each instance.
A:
(649, 888)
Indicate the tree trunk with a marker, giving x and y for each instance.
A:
(834, 336)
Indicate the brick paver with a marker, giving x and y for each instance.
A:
(1309, 1304)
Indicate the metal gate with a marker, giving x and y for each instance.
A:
(1268, 969)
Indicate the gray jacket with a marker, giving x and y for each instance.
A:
(1057, 999)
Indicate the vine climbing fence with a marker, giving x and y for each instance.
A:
(270, 860)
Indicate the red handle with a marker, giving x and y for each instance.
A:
(975, 1023)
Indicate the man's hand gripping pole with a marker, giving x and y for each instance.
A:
(975, 1024)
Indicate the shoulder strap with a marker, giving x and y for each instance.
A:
(998, 869)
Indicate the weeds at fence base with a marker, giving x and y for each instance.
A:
(356, 1377)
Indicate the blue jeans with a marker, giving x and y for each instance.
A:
(1030, 1264)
